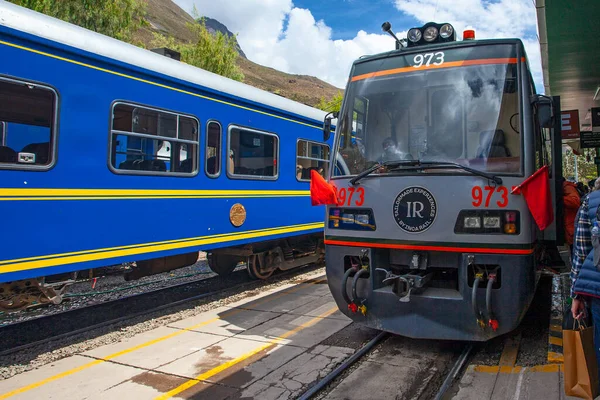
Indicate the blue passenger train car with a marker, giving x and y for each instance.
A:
(110, 153)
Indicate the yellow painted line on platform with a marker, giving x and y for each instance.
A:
(229, 313)
(495, 369)
(556, 328)
(198, 379)
(555, 340)
(555, 357)
(510, 351)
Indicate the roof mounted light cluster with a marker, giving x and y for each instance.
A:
(430, 33)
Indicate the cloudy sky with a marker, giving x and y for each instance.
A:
(323, 37)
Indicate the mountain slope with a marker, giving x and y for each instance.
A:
(215, 26)
(166, 17)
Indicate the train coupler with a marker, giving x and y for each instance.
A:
(403, 285)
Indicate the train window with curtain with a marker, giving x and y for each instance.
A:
(309, 156)
(252, 154)
(213, 149)
(148, 141)
(27, 125)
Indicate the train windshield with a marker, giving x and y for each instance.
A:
(465, 110)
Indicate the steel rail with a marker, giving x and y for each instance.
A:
(456, 368)
(343, 366)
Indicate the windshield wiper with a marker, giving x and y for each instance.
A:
(376, 166)
(446, 164)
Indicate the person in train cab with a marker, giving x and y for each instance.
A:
(391, 151)
(585, 265)
(571, 201)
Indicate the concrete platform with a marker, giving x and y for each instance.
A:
(266, 346)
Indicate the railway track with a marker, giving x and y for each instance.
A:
(421, 392)
(42, 330)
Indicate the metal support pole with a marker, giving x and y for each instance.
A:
(597, 165)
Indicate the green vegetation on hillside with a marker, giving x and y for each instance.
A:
(139, 21)
(119, 19)
(331, 105)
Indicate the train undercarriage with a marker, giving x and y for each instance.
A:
(264, 259)
(261, 259)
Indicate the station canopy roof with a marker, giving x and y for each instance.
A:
(569, 34)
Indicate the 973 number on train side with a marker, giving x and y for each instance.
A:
(482, 196)
(346, 195)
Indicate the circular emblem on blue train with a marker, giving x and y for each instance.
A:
(415, 209)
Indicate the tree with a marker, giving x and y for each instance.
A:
(115, 18)
(215, 53)
(331, 105)
(586, 170)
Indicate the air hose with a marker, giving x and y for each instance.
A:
(355, 281)
(474, 296)
(492, 322)
(362, 308)
(345, 281)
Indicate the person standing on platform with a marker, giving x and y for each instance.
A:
(571, 201)
(585, 273)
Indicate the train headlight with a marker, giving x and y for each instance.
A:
(472, 222)
(446, 31)
(491, 222)
(414, 35)
(357, 219)
(487, 222)
(430, 34)
(361, 219)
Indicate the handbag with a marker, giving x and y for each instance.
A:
(580, 365)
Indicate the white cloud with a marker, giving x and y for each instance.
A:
(502, 19)
(277, 34)
(304, 46)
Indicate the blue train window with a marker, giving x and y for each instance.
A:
(27, 125)
(309, 156)
(145, 140)
(213, 149)
(252, 154)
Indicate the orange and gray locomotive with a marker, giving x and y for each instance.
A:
(430, 237)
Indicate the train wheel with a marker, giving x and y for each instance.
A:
(222, 264)
(254, 268)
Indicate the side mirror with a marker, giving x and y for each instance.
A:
(327, 124)
(544, 110)
(327, 128)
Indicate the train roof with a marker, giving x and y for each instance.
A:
(437, 46)
(37, 24)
